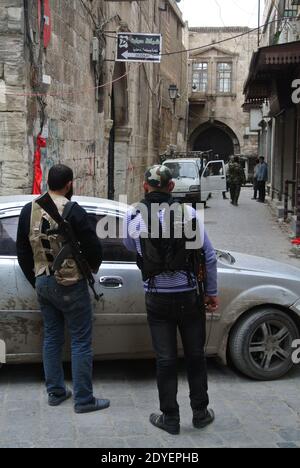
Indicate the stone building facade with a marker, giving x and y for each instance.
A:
(174, 71)
(217, 71)
(102, 117)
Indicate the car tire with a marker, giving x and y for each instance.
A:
(260, 344)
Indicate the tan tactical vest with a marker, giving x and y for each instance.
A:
(69, 273)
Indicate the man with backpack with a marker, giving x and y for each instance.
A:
(177, 296)
(63, 295)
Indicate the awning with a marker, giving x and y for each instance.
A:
(268, 64)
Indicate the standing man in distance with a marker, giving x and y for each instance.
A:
(230, 160)
(237, 178)
(255, 183)
(262, 179)
(63, 296)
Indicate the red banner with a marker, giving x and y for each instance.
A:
(38, 175)
(47, 25)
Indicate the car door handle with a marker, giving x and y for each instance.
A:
(112, 282)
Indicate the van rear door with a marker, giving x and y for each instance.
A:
(213, 179)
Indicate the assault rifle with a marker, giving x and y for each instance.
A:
(71, 247)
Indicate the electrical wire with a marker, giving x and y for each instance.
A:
(222, 20)
(89, 12)
(242, 9)
(183, 51)
(72, 93)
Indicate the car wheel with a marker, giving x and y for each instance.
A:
(260, 345)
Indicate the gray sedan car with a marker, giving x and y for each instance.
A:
(254, 330)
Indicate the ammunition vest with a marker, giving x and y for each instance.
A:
(45, 247)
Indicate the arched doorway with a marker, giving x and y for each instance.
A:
(217, 137)
(119, 134)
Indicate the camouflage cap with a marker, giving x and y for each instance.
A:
(158, 176)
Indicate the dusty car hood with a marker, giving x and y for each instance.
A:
(259, 264)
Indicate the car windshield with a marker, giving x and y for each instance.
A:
(186, 170)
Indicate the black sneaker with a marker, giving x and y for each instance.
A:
(96, 405)
(202, 419)
(56, 400)
(160, 422)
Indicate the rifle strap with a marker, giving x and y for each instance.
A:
(67, 210)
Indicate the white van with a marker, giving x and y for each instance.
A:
(196, 178)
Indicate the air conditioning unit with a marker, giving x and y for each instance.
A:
(290, 30)
(294, 30)
(255, 119)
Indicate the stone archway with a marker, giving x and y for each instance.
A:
(215, 136)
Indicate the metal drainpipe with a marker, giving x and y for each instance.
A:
(283, 129)
(286, 198)
(258, 30)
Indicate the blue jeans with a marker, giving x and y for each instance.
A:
(70, 305)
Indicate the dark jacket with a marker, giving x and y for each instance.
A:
(83, 229)
(236, 174)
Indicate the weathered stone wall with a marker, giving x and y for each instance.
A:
(73, 123)
(81, 122)
(13, 139)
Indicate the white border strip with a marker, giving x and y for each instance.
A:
(2, 352)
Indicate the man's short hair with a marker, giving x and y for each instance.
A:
(236, 159)
(262, 157)
(58, 177)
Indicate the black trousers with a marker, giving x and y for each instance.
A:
(235, 191)
(166, 314)
(255, 188)
(262, 190)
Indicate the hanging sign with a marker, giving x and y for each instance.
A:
(138, 47)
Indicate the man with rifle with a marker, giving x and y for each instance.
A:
(58, 250)
(179, 269)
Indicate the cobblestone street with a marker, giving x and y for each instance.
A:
(248, 414)
(250, 228)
